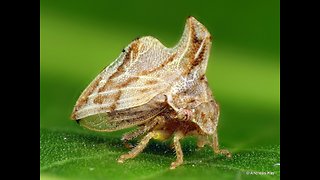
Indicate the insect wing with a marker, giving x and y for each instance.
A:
(133, 80)
(126, 118)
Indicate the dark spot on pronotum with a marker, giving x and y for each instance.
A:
(78, 121)
(202, 77)
(184, 92)
(137, 38)
(123, 50)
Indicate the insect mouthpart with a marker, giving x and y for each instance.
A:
(78, 121)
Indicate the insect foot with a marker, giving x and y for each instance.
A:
(224, 152)
(216, 149)
(123, 157)
(175, 164)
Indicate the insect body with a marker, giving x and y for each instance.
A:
(163, 91)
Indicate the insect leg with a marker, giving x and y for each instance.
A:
(177, 147)
(131, 135)
(136, 150)
(215, 146)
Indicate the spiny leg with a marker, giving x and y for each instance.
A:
(131, 135)
(141, 130)
(177, 147)
(215, 146)
(136, 150)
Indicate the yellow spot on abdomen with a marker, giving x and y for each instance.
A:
(161, 135)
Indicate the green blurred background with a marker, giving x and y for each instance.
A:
(79, 38)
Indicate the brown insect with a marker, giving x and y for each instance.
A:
(163, 91)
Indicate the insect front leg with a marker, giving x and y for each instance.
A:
(177, 146)
(215, 146)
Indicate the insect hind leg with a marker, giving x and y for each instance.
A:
(131, 135)
(136, 150)
(158, 120)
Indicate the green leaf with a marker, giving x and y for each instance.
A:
(79, 38)
(87, 155)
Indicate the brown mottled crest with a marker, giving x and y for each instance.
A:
(162, 90)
